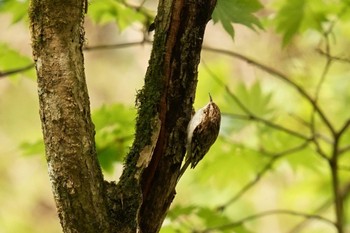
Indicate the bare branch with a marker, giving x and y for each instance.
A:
(268, 213)
(262, 172)
(323, 207)
(344, 128)
(250, 115)
(268, 123)
(15, 71)
(344, 150)
(86, 48)
(335, 58)
(278, 75)
(114, 46)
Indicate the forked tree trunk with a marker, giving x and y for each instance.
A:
(141, 199)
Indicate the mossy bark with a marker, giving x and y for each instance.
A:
(165, 107)
(75, 175)
(141, 199)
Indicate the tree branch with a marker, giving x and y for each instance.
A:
(261, 173)
(115, 46)
(86, 48)
(268, 213)
(324, 206)
(268, 123)
(279, 75)
(75, 174)
(15, 71)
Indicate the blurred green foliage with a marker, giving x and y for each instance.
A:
(116, 11)
(18, 9)
(275, 149)
(11, 60)
(237, 11)
(114, 125)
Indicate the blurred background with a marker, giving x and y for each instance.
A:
(271, 158)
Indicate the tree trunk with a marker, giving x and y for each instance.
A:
(141, 199)
(75, 175)
(165, 107)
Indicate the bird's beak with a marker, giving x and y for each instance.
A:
(211, 100)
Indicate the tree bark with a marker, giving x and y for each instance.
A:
(141, 199)
(75, 175)
(165, 107)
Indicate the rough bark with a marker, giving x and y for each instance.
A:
(147, 186)
(75, 175)
(140, 201)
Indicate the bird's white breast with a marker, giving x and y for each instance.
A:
(196, 120)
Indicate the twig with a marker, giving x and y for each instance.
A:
(279, 75)
(343, 150)
(114, 46)
(268, 123)
(324, 206)
(17, 70)
(250, 115)
(338, 199)
(86, 48)
(344, 128)
(261, 173)
(334, 58)
(267, 213)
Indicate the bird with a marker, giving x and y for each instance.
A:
(202, 131)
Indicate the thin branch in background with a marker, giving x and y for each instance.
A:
(323, 207)
(261, 173)
(344, 128)
(344, 168)
(114, 46)
(278, 75)
(319, 150)
(337, 197)
(300, 226)
(249, 185)
(334, 160)
(86, 48)
(322, 78)
(268, 123)
(334, 58)
(17, 70)
(140, 8)
(343, 150)
(308, 125)
(299, 119)
(250, 115)
(212, 74)
(268, 213)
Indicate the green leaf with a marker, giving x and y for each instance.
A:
(298, 16)
(33, 148)
(106, 11)
(168, 229)
(18, 9)
(178, 210)
(242, 229)
(253, 98)
(212, 217)
(114, 133)
(114, 126)
(237, 11)
(289, 18)
(11, 60)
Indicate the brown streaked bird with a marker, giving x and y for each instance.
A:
(202, 131)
